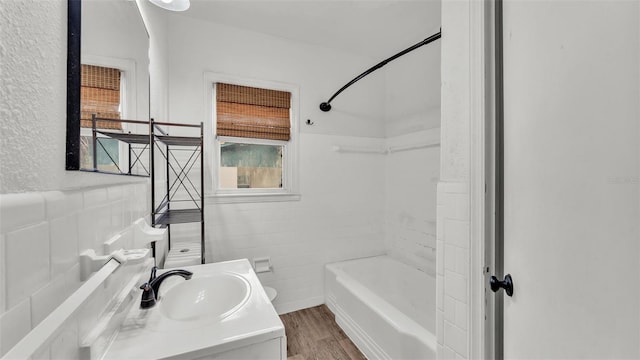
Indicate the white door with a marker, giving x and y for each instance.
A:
(572, 179)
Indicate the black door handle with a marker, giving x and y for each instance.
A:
(506, 284)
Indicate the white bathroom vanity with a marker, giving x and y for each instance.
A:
(222, 312)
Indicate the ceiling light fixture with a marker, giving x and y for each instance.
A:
(172, 5)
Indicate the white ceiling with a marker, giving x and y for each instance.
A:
(374, 28)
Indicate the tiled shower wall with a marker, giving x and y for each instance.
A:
(452, 297)
(41, 237)
(410, 199)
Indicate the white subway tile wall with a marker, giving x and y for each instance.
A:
(47, 298)
(27, 261)
(41, 236)
(452, 271)
(344, 213)
(64, 243)
(410, 199)
(340, 216)
(20, 210)
(353, 205)
(15, 323)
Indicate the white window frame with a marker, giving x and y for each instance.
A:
(128, 91)
(290, 186)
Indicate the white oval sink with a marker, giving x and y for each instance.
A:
(216, 295)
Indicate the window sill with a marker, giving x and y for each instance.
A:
(250, 198)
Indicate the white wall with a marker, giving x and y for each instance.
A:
(453, 242)
(33, 73)
(410, 199)
(343, 195)
(197, 46)
(341, 213)
(412, 117)
(339, 217)
(412, 91)
(112, 32)
(455, 91)
(157, 25)
(41, 237)
(33, 77)
(47, 215)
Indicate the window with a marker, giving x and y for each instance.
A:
(254, 141)
(100, 93)
(244, 165)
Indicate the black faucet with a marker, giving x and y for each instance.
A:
(152, 287)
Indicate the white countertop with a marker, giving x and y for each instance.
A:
(147, 334)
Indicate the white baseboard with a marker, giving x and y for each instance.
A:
(284, 308)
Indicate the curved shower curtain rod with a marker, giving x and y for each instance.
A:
(326, 106)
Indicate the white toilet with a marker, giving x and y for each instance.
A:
(271, 293)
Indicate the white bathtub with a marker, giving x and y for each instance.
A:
(387, 308)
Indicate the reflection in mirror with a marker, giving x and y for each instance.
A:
(114, 84)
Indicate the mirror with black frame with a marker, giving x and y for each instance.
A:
(107, 87)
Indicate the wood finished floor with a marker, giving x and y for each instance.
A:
(312, 334)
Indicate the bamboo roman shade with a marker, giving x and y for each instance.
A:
(100, 94)
(250, 112)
